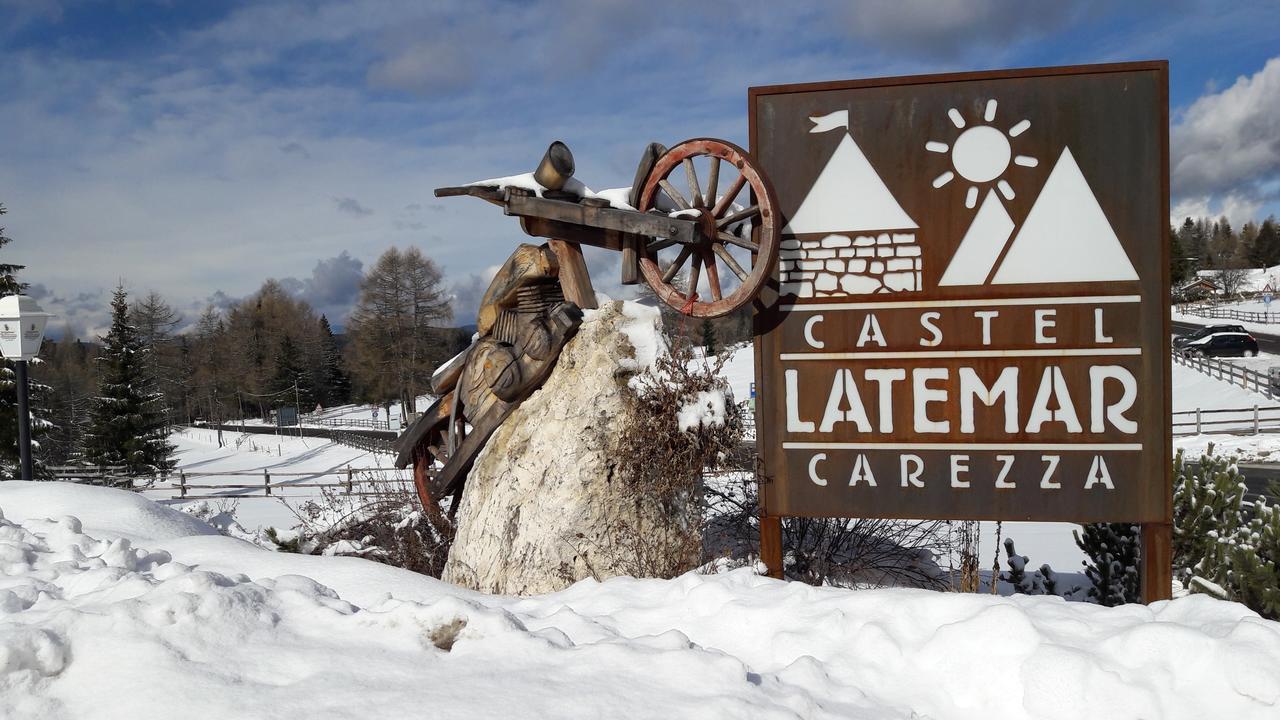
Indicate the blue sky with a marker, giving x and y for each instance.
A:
(198, 148)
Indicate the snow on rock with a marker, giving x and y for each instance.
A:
(94, 626)
(549, 501)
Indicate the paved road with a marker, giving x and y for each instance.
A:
(1266, 343)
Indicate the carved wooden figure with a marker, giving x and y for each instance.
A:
(534, 304)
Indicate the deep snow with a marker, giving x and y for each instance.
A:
(135, 611)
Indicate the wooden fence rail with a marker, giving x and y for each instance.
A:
(1246, 378)
(349, 481)
(1221, 313)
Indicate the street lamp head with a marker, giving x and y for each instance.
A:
(22, 324)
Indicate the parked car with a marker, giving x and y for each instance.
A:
(1235, 344)
(1206, 331)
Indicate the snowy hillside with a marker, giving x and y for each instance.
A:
(137, 611)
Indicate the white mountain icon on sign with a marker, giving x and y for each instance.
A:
(1066, 236)
(848, 196)
(849, 236)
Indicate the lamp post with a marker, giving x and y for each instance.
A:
(22, 324)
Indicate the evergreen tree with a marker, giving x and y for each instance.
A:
(1194, 245)
(1178, 271)
(37, 395)
(1221, 538)
(290, 370)
(156, 321)
(1267, 243)
(709, 336)
(1114, 556)
(127, 424)
(333, 387)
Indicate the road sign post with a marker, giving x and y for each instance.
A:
(971, 313)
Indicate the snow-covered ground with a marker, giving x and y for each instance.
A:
(137, 611)
(288, 458)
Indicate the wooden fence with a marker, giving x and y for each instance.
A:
(1246, 378)
(1221, 313)
(1233, 421)
(350, 481)
(109, 475)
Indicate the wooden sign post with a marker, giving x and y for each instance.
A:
(971, 318)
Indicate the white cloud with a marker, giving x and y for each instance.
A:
(1239, 210)
(1228, 143)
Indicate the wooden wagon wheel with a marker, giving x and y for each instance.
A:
(726, 227)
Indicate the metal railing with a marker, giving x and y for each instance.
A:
(307, 419)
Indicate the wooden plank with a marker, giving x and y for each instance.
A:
(771, 544)
(574, 278)
(1157, 562)
(681, 230)
(580, 234)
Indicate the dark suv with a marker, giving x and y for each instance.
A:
(1206, 331)
(1223, 343)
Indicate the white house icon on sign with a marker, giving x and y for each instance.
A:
(849, 236)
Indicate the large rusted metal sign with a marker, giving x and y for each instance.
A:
(972, 319)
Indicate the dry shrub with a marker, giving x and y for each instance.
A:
(664, 462)
(381, 520)
(842, 552)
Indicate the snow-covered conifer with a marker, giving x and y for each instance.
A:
(127, 423)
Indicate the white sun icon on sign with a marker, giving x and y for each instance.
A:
(981, 154)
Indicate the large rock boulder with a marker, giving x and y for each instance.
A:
(551, 500)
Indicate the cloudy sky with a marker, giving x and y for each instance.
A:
(198, 148)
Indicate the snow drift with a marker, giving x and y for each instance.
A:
(96, 622)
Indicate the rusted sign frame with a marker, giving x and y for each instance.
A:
(1156, 536)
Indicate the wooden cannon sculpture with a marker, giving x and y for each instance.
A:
(534, 304)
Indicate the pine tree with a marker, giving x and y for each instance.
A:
(156, 321)
(1114, 556)
(37, 396)
(709, 337)
(1177, 260)
(1267, 243)
(333, 387)
(1219, 537)
(291, 370)
(127, 424)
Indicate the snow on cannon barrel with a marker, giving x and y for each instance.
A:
(699, 224)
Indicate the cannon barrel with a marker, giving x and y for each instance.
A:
(556, 167)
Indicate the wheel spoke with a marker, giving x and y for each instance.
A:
(694, 271)
(674, 268)
(692, 174)
(713, 181)
(727, 199)
(713, 276)
(657, 245)
(740, 242)
(674, 194)
(729, 260)
(752, 211)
